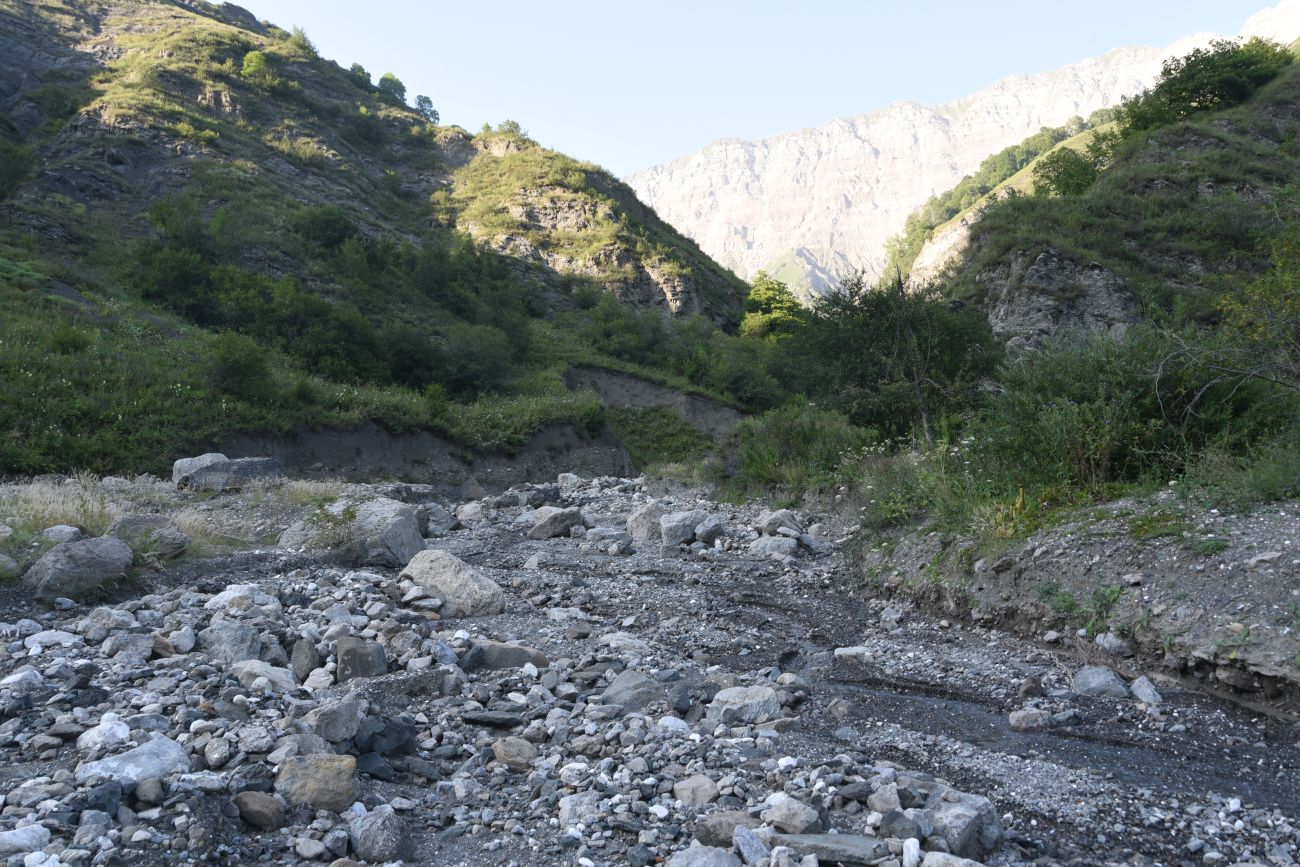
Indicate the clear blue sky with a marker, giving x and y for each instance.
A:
(630, 85)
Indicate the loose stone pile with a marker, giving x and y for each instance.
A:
(450, 686)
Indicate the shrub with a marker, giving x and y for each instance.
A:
(657, 435)
(1224, 74)
(794, 450)
(15, 163)
(239, 367)
(256, 70)
(475, 358)
(327, 225)
(391, 89)
(1064, 172)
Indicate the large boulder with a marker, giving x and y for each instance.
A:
(321, 781)
(378, 836)
(643, 524)
(377, 532)
(489, 655)
(774, 546)
(229, 641)
(632, 691)
(151, 534)
(969, 823)
(228, 475)
(744, 704)
(771, 523)
(154, 759)
(185, 466)
(74, 569)
(1099, 680)
(464, 591)
(550, 521)
(677, 528)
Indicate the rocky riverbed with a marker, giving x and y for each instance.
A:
(603, 671)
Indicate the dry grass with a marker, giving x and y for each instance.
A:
(78, 501)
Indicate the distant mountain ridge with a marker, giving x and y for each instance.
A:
(816, 202)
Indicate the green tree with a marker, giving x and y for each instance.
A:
(301, 43)
(424, 106)
(391, 89)
(771, 310)
(894, 360)
(257, 72)
(239, 367)
(1064, 172)
(360, 76)
(1223, 74)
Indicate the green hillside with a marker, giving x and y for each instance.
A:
(1184, 212)
(205, 228)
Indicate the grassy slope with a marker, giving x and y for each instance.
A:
(509, 192)
(1184, 214)
(96, 377)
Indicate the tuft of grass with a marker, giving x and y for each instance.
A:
(1210, 547)
(658, 435)
(1158, 524)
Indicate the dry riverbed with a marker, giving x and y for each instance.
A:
(538, 678)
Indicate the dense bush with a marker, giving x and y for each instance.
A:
(327, 225)
(15, 163)
(1224, 74)
(1064, 172)
(794, 451)
(891, 360)
(239, 367)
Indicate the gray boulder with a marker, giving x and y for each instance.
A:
(20, 841)
(229, 475)
(551, 521)
(151, 534)
(154, 759)
(9, 567)
(704, 856)
(709, 529)
(632, 691)
(185, 466)
(770, 523)
(74, 569)
(677, 528)
(377, 532)
(229, 642)
(792, 816)
(359, 657)
(488, 655)
(774, 546)
(378, 836)
(846, 849)
(643, 525)
(61, 533)
(970, 824)
(1144, 691)
(744, 704)
(1099, 680)
(464, 591)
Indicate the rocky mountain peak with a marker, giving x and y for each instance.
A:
(816, 202)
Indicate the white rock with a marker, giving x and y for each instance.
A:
(110, 733)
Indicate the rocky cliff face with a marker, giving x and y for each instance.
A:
(1032, 298)
(831, 196)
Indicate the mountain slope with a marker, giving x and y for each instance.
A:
(1186, 214)
(206, 228)
(831, 196)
